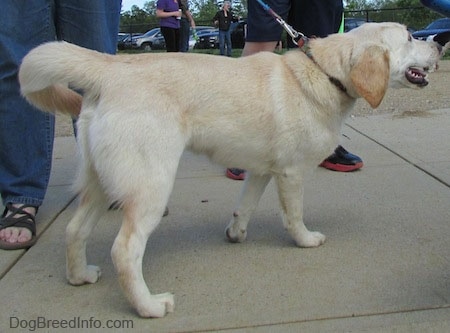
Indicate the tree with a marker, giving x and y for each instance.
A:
(139, 20)
(408, 12)
(204, 11)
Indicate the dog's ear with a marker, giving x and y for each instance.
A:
(370, 74)
(443, 39)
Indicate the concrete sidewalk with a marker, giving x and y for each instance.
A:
(384, 267)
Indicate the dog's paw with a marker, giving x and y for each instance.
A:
(158, 306)
(91, 274)
(235, 235)
(310, 239)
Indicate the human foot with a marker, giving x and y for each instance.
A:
(18, 227)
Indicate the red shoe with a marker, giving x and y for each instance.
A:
(236, 174)
(343, 161)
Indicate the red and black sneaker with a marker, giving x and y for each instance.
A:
(343, 161)
(236, 174)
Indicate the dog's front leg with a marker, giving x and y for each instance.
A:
(290, 192)
(254, 186)
(127, 254)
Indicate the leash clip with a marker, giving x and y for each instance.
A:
(297, 37)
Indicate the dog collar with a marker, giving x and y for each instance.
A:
(303, 44)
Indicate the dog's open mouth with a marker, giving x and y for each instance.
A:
(417, 76)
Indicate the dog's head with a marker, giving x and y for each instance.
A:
(376, 56)
(390, 57)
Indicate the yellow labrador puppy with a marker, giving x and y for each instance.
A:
(275, 116)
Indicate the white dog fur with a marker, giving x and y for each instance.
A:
(275, 116)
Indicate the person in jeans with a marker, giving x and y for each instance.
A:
(223, 20)
(26, 134)
(312, 18)
(186, 23)
(169, 13)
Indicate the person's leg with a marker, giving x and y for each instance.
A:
(316, 18)
(261, 26)
(321, 18)
(184, 34)
(228, 42)
(26, 134)
(222, 42)
(90, 24)
(254, 47)
(177, 39)
(263, 33)
(171, 36)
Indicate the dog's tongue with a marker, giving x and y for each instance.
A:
(416, 76)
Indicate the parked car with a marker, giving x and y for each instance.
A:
(209, 38)
(159, 43)
(435, 27)
(199, 30)
(145, 41)
(124, 40)
(351, 23)
(121, 36)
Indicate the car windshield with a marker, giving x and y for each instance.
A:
(439, 24)
(151, 32)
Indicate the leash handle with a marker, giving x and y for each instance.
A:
(297, 37)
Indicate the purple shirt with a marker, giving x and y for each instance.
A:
(168, 6)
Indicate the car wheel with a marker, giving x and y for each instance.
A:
(146, 47)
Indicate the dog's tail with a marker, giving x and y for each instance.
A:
(48, 70)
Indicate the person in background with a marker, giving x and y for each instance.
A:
(169, 13)
(223, 20)
(312, 18)
(186, 22)
(26, 133)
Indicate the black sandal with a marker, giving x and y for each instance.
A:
(27, 220)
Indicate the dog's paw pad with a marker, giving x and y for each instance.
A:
(311, 239)
(90, 275)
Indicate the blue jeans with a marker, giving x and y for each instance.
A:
(225, 40)
(185, 29)
(26, 134)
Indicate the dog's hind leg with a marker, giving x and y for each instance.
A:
(254, 186)
(290, 192)
(143, 209)
(140, 219)
(93, 205)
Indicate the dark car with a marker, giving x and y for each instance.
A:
(435, 27)
(351, 23)
(209, 38)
